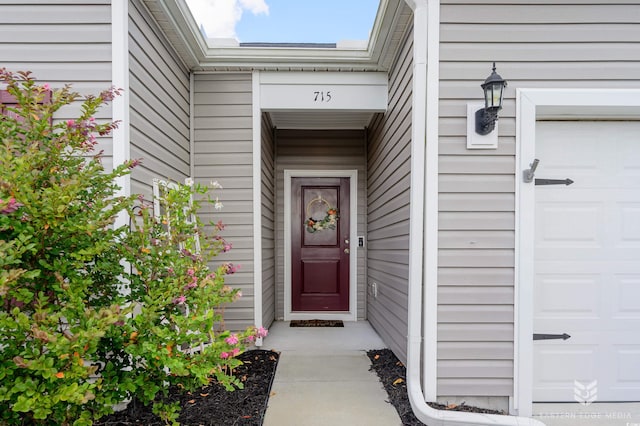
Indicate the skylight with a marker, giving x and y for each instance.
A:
(323, 23)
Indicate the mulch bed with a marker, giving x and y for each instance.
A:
(213, 405)
(392, 374)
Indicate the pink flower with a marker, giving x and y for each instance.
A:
(192, 284)
(71, 123)
(191, 272)
(226, 247)
(220, 225)
(238, 295)
(230, 268)
(134, 163)
(179, 300)
(232, 340)
(46, 87)
(9, 206)
(224, 355)
(251, 338)
(235, 352)
(109, 94)
(262, 332)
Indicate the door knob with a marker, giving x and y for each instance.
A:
(346, 250)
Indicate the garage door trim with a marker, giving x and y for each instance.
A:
(533, 105)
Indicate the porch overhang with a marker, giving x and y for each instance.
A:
(332, 100)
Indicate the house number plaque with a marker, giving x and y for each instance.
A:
(321, 96)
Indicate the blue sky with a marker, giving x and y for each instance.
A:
(286, 21)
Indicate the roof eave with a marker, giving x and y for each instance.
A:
(278, 58)
(176, 20)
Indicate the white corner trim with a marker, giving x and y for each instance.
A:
(352, 315)
(257, 203)
(120, 104)
(530, 105)
(192, 128)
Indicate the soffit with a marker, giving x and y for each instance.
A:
(316, 120)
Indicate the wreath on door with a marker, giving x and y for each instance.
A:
(328, 222)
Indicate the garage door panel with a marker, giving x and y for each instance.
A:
(555, 295)
(587, 260)
(574, 154)
(556, 369)
(628, 362)
(570, 225)
(629, 230)
(626, 289)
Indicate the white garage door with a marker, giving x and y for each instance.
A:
(587, 261)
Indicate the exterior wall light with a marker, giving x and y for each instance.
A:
(493, 88)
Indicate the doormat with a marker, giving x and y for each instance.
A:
(316, 323)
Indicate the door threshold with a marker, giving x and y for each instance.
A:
(321, 315)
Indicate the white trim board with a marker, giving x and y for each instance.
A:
(257, 202)
(352, 315)
(533, 105)
(120, 104)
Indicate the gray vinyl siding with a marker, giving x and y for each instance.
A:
(321, 150)
(268, 222)
(535, 44)
(61, 43)
(223, 153)
(159, 104)
(388, 178)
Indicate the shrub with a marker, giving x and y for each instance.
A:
(91, 314)
(178, 300)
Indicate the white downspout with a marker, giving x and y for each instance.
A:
(424, 152)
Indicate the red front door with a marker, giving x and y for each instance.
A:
(320, 244)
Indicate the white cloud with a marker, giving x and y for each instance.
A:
(219, 17)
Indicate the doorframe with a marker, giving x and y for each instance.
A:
(533, 105)
(352, 314)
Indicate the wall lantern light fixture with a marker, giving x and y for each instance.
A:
(493, 88)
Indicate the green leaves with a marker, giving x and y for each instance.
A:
(54, 231)
(91, 315)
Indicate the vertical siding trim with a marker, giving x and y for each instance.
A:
(120, 105)
(257, 202)
(192, 127)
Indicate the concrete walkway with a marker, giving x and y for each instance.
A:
(323, 377)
